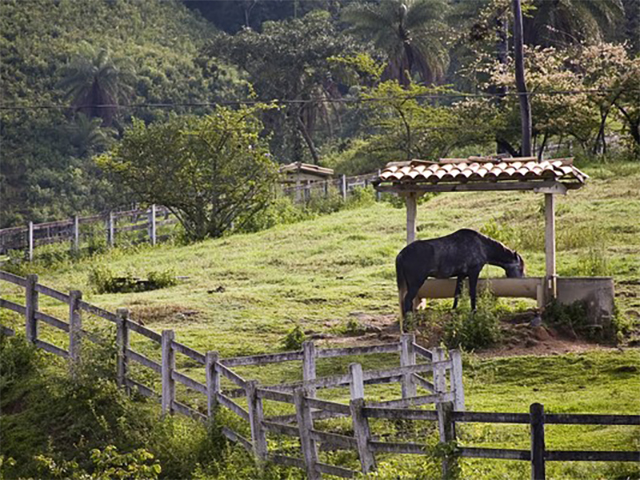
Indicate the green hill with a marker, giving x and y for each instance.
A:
(46, 170)
(243, 293)
(316, 273)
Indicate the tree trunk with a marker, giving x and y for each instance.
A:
(308, 139)
(525, 106)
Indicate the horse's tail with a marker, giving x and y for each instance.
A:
(402, 284)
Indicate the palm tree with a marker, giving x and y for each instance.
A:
(566, 22)
(95, 82)
(87, 135)
(410, 32)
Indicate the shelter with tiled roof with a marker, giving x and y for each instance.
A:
(413, 178)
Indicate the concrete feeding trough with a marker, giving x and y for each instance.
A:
(414, 178)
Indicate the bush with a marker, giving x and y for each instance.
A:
(294, 339)
(104, 280)
(463, 328)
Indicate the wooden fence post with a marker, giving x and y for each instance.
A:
(360, 423)
(456, 380)
(309, 365)
(122, 344)
(447, 434)
(75, 327)
(30, 242)
(152, 224)
(439, 373)
(213, 382)
(407, 357)
(344, 188)
(31, 307)
(110, 229)
(256, 417)
(305, 425)
(75, 241)
(536, 411)
(168, 365)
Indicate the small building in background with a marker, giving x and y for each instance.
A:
(300, 176)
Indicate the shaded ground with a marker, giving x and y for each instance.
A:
(522, 334)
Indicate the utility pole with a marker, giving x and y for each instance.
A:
(525, 106)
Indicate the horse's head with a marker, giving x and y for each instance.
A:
(515, 269)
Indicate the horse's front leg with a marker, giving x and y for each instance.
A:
(456, 295)
(473, 286)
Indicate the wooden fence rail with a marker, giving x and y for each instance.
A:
(446, 396)
(113, 222)
(110, 223)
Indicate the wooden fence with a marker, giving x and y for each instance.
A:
(343, 184)
(415, 362)
(108, 225)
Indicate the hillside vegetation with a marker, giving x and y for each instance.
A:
(241, 294)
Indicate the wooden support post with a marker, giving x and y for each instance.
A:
(75, 328)
(326, 188)
(152, 224)
(378, 193)
(309, 365)
(122, 344)
(305, 425)
(447, 434)
(536, 411)
(363, 435)
(456, 380)
(75, 246)
(31, 307)
(550, 246)
(407, 357)
(298, 189)
(439, 373)
(213, 382)
(30, 242)
(357, 381)
(256, 417)
(411, 199)
(360, 422)
(344, 188)
(110, 230)
(168, 365)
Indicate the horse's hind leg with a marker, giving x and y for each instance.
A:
(408, 299)
(456, 295)
(473, 287)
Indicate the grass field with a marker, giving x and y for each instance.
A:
(243, 293)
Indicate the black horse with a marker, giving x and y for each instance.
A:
(460, 254)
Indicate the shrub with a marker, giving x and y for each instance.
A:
(463, 328)
(104, 280)
(106, 463)
(293, 340)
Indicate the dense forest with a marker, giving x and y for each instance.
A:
(355, 84)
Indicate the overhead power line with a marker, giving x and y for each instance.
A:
(433, 96)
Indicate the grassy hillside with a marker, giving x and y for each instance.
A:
(243, 293)
(317, 273)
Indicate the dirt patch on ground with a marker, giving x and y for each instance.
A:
(154, 314)
(523, 334)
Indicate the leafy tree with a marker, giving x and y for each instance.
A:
(409, 32)
(96, 82)
(405, 126)
(212, 172)
(289, 60)
(568, 22)
(87, 135)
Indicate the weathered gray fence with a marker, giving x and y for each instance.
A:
(343, 184)
(108, 225)
(415, 362)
